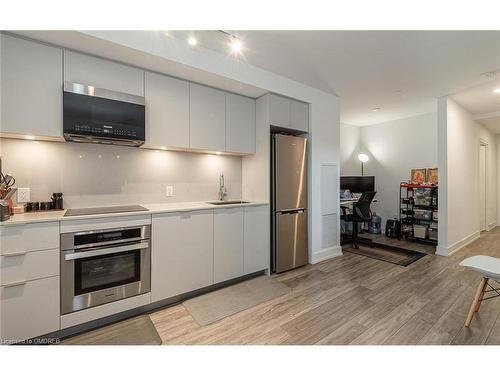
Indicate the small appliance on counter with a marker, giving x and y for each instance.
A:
(57, 201)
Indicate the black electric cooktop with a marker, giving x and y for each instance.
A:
(104, 210)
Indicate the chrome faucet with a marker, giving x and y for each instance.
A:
(222, 187)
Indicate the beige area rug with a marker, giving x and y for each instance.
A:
(136, 331)
(214, 306)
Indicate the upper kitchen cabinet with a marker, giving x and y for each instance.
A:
(299, 116)
(240, 124)
(31, 88)
(288, 113)
(167, 111)
(102, 73)
(208, 118)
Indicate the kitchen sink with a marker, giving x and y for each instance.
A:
(221, 203)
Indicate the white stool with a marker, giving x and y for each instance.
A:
(489, 268)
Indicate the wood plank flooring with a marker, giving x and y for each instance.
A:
(357, 300)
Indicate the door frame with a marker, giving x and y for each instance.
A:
(483, 143)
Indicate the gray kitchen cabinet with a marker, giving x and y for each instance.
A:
(31, 87)
(288, 113)
(228, 243)
(256, 239)
(279, 111)
(167, 111)
(182, 253)
(29, 308)
(207, 118)
(299, 115)
(240, 124)
(103, 73)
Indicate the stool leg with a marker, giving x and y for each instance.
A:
(482, 295)
(477, 297)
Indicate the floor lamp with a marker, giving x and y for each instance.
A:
(363, 158)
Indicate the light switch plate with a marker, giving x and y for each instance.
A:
(169, 191)
(23, 195)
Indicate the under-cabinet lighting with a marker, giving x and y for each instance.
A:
(192, 41)
(497, 91)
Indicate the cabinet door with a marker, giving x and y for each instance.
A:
(102, 73)
(299, 116)
(257, 253)
(167, 111)
(31, 88)
(279, 111)
(30, 309)
(228, 243)
(207, 118)
(240, 124)
(182, 253)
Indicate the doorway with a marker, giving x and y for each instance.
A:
(482, 187)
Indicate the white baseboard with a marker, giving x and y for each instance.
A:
(447, 251)
(491, 226)
(324, 254)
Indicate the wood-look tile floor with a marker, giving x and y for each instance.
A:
(357, 300)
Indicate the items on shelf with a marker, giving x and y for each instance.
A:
(424, 176)
(418, 211)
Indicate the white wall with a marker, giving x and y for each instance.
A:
(92, 175)
(350, 138)
(394, 147)
(458, 141)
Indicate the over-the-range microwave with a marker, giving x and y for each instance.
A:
(97, 115)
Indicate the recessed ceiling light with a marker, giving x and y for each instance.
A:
(497, 91)
(376, 109)
(236, 46)
(192, 41)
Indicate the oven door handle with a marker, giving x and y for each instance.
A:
(111, 250)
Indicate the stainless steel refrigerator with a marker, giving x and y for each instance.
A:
(289, 202)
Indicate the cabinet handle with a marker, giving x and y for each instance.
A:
(15, 283)
(19, 253)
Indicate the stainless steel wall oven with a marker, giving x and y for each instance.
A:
(102, 266)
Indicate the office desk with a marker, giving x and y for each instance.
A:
(349, 202)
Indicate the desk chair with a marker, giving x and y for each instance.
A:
(361, 213)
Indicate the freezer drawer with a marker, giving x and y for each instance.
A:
(291, 249)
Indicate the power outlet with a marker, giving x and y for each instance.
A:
(23, 195)
(169, 191)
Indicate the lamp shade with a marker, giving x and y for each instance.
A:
(363, 158)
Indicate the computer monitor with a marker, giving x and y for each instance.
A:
(357, 184)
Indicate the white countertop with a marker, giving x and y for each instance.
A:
(155, 208)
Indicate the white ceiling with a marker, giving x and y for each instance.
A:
(402, 72)
(483, 103)
(480, 99)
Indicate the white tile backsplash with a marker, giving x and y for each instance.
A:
(90, 175)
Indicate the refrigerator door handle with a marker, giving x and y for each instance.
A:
(291, 211)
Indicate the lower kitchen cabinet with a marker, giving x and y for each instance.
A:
(182, 253)
(256, 239)
(228, 243)
(29, 309)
